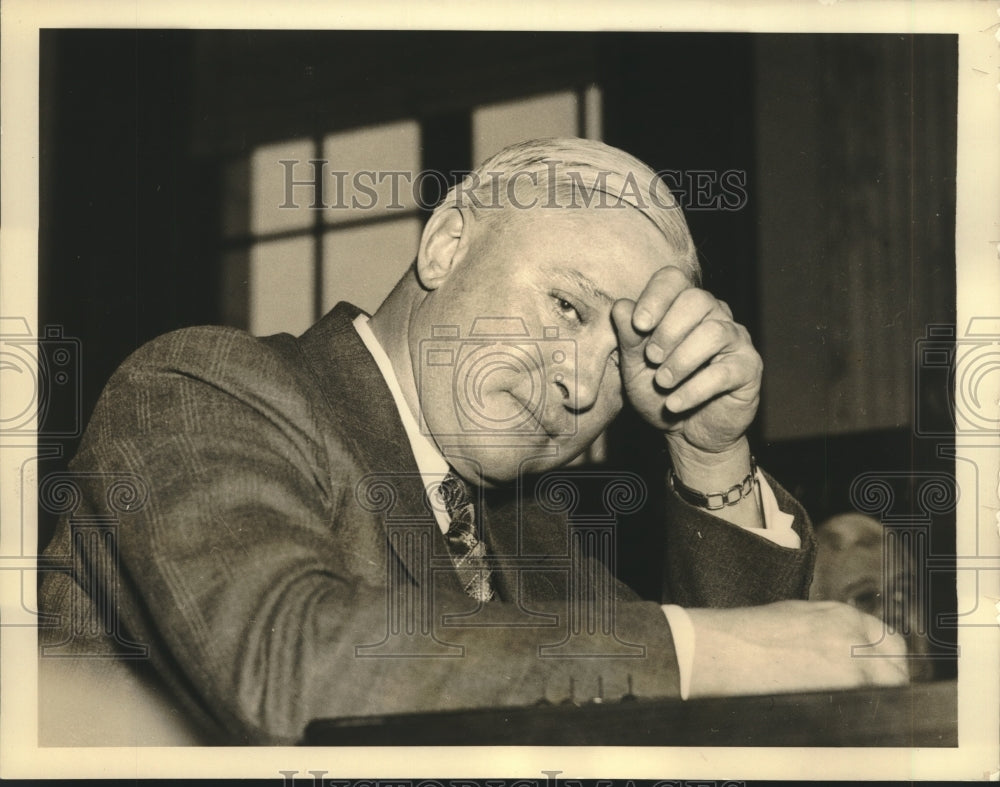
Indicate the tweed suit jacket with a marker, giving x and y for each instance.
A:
(279, 562)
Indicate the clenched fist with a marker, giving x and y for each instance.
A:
(687, 367)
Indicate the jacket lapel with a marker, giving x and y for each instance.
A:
(529, 547)
(367, 420)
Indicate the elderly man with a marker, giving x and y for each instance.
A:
(343, 524)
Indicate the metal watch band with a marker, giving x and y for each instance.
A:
(716, 500)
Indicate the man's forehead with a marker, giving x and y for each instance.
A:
(621, 225)
(602, 250)
(573, 276)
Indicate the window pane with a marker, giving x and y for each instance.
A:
(362, 264)
(497, 125)
(593, 110)
(281, 286)
(371, 171)
(270, 205)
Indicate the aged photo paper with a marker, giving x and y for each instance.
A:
(858, 397)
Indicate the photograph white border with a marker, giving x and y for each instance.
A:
(978, 283)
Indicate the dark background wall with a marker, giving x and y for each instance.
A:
(837, 262)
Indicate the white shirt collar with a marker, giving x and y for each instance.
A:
(430, 463)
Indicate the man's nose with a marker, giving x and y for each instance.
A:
(579, 378)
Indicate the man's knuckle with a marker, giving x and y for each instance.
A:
(719, 331)
(730, 376)
(893, 643)
(687, 298)
(704, 300)
(666, 334)
(848, 619)
(675, 276)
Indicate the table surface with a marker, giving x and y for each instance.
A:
(921, 714)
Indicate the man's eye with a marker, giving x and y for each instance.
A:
(567, 309)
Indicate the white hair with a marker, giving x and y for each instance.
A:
(569, 172)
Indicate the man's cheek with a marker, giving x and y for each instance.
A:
(592, 423)
(612, 398)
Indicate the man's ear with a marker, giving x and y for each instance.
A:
(441, 247)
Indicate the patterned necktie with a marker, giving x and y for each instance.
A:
(468, 553)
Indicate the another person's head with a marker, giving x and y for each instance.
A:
(513, 350)
(858, 563)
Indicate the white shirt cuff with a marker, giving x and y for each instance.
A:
(777, 524)
(682, 632)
